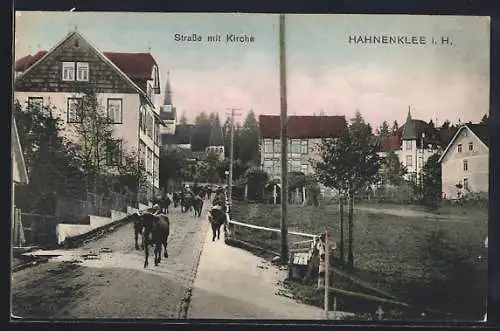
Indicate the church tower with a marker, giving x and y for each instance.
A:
(168, 113)
(409, 147)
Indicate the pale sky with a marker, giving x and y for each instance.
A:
(325, 72)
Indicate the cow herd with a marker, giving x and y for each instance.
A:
(153, 224)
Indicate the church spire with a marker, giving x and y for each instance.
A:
(408, 129)
(168, 91)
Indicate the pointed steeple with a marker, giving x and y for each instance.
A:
(408, 129)
(168, 91)
(216, 135)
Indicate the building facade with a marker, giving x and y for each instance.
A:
(126, 84)
(419, 141)
(465, 162)
(305, 133)
(414, 143)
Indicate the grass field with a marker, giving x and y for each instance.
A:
(426, 259)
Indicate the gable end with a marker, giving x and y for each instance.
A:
(46, 74)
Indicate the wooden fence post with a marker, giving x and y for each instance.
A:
(321, 266)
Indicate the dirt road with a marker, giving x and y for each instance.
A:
(113, 284)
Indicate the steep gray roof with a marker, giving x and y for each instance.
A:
(408, 129)
(481, 131)
(199, 136)
(216, 136)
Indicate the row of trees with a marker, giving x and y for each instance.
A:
(176, 165)
(60, 167)
(384, 130)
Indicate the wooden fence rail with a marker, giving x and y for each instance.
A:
(251, 226)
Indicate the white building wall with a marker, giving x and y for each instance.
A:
(298, 160)
(477, 171)
(126, 131)
(418, 157)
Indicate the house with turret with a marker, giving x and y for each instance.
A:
(414, 143)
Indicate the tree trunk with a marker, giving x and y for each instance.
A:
(341, 213)
(350, 257)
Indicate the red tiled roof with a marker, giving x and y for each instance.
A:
(303, 126)
(26, 61)
(390, 143)
(134, 65)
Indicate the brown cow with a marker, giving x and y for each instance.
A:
(216, 217)
(138, 229)
(156, 232)
(197, 204)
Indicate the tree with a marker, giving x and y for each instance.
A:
(393, 169)
(94, 135)
(172, 161)
(248, 140)
(395, 127)
(131, 174)
(446, 124)
(202, 118)
(53, 166)
(384, 129)
(431, 124)
(211, 160)
(183, 120)
(106, 162)
(431, 181)
(349, 164)
(485, 119)
(256, 180)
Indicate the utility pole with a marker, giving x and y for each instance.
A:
(231, 157)
(284, 142)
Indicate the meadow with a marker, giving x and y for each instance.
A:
(428, 259)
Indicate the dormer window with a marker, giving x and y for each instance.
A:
(82, 71)
(68, 71)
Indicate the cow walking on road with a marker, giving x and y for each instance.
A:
(164, 204)
(186, 202)
(138, 229)
(197, 205)
(216, 217)
(176, 197)
(156, 232)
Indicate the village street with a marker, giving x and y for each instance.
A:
(114, 284)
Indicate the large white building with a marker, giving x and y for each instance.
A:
(126, 85)
(304, 136)
(465, 162)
